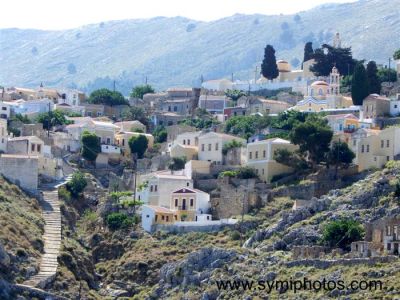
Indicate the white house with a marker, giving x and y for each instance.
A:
(160, 185)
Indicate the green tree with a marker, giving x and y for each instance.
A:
(290, 159)
(327, 57)
(245, 126)
(269, 69)
(341, 233)
(288, 119)
(138, 145)
(308, 51)
(235, 94)
(313, 137)
(135, 113)
(52, 118)
(77, 184)
(340, 155)
(177, 163)
(117, 196)
(374, 84)
(21, 118)
(90, 146)
(231, 145)
(345, 84)
(117, 220)
(160, 134)
(107, 97)
(396, 54)
(140, 90)
(387, 75)
(359, 85)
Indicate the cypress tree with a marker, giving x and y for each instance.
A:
(359, 85)
(374, 84)
(269, 69)
(308, 51)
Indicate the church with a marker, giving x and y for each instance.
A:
(322, 95)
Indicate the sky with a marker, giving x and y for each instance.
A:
(64, 14)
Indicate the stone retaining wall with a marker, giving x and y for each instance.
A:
(324, 264)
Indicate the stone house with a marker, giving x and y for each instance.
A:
(166, 118)
(381, 237)
(93, 110)
(213, 104)
(235, 111)
(182, 107)
(260, 156)
(264, 106)
(375, 106)
(5, 110)
(211, 146)
(27, 145)
(185, 145)
(3, 135)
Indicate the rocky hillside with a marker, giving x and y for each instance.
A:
(96, 263)
(177, 51)
(21, 229)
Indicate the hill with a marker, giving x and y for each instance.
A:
(177, 51)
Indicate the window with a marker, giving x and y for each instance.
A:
(151, 188)
(123, 142)
(387, 143)
(176, 202)
(167, 218)
(99, 114)
(250, 155)
(209, 147)
(354, 142)
(187, 183)
(169, 108)
(191, 202)
(256, 154)
(175, 108)
(32, 147)
(183, 204)
(156, 218)
(387, 158)
(264, 153)
(389, 246)
(39, 147)
(176, 218)
(188, 142)
(382, 143)
(216, 146)
(367, 148)
(162, 217)
(184, 142)
(208, 217)
(395, 106)
(155, 188)
(4, 108)
(362, 148)
(202, 147)
(147, 216)
(263, 171)
(108, 141)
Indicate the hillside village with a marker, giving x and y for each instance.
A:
(238, 171)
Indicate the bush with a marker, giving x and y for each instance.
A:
(77, 183)
(64, 194)
(116, 221)
(235, 235)
(341, 233)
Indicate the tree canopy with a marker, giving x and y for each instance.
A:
(374, 84)
(308, 51)
(341, 233)
(269, 69)
(107, 97)
(90, 146)
(138, 145)
(52, 118)
(77, 183)
(359, 85)
(246, 126)
(313, 137)
(139, 90)
(327, 57)
(177, 163)
(387, 75)
(235, 94)
(135, 113)
(396, 54)
(160, 134)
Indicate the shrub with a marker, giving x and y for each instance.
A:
(341, 233)
(77, 183)
(235, 235)
(116, 221)
(64, 194)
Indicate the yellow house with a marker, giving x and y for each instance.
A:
(189, 204)
(373, 148)
(122, 140)
(260, 156)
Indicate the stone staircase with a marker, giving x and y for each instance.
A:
(52, 240)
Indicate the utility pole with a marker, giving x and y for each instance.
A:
(390, 59)
(232, 77)
(255, 75)
(114, 85)
(49, 123)
(146, 80)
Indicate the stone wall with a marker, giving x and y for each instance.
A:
(325, 264)
(20, 289)
(191, 227)
(301, 252)
(22, 171)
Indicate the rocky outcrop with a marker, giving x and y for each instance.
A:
(197, 267)
(4, 257)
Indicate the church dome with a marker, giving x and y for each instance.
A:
(319, 82)
(283, 66)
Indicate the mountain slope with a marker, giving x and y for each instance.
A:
(177, 51)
